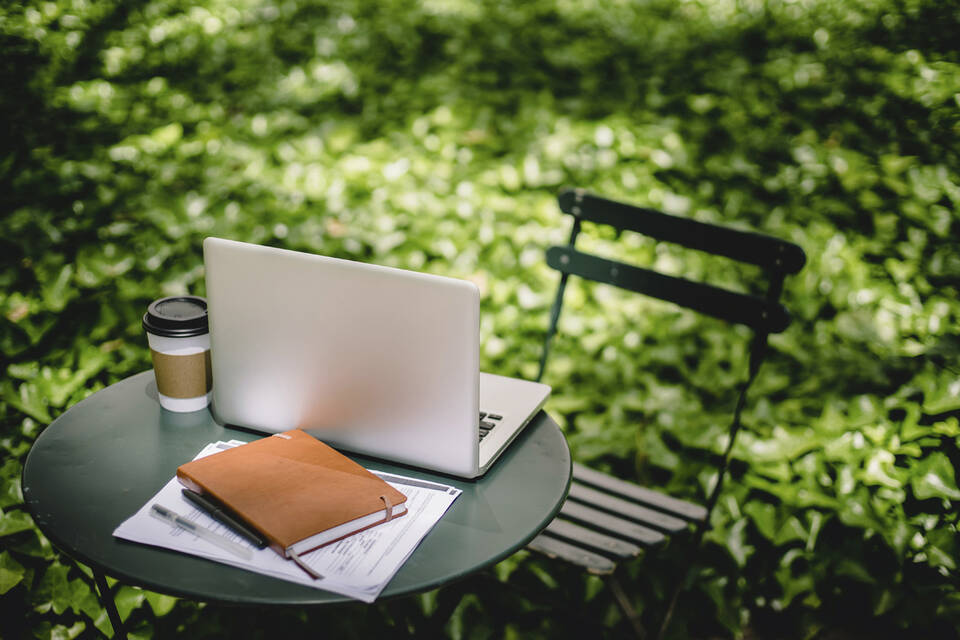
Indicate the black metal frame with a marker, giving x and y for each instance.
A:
(105, 595)
(764, 315)
(776, 257)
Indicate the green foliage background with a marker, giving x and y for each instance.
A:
(435, 136)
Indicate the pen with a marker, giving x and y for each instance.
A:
(161, 512)
(217, 513)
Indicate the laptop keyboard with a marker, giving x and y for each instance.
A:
(487, 422)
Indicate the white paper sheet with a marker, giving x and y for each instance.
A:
(359, 566)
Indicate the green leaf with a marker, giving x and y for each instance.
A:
(548, 581)
(567, 404)
(854, 568)
(933, 477)
(949, 605)
(11, 572)
(779, 470)
(58, 291)
(32, 544)
(898, 536)
(163, 604)
(763, 516)
(885, 602)
(54, 591)
(83, 599)
(26, 398)
(880, 470)
(60, 384)
(942, 397)
(942, 547)
(653, 450)
(855, 511)
(594, 587)
(165, 137)
(792, 583)
(736, 543)
(791, 530)
(127, 599)
(949, 427)
(143, 631)
(46, 630)
(10, 493)
(12, 522)
(505, 568)
(102, 623)
(459, 624)
(717, 588)
(428, 602)
(815, 520)
(98, 264)
(791, 494)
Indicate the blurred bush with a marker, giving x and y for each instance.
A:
(435, 137)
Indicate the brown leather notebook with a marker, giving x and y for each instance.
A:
(295, 490)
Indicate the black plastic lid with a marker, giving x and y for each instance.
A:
(177, 317)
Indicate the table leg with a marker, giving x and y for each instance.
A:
(106, 599)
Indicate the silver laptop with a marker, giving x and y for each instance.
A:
(370, 359)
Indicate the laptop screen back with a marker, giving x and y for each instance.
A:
(375, 360)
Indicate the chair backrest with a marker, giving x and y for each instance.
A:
(777, 258)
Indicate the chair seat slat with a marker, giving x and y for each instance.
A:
(649, 497)
(579, 535)
(626, 509)
(611, 524)
(555, 548)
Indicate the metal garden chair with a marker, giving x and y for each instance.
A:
(605, 519)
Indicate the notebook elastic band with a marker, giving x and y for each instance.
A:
(303, 565)
(386, 501)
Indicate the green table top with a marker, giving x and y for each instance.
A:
(99, 462)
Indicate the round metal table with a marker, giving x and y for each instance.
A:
(101, 460)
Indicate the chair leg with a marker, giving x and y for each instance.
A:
(668, 616)
(624, 602)
(554, 319)
(106, 599)
(757, 353)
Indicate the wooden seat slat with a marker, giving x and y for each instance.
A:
(626, 509)
(611, 524)
(580, 535)
(655, 499)
(556, 548)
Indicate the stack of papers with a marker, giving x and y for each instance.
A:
(359, 566)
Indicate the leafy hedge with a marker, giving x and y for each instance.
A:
(435, 137)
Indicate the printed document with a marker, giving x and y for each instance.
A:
(359, 566)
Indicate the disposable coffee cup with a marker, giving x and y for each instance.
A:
(179, 338)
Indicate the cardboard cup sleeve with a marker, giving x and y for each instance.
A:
(183, 376)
